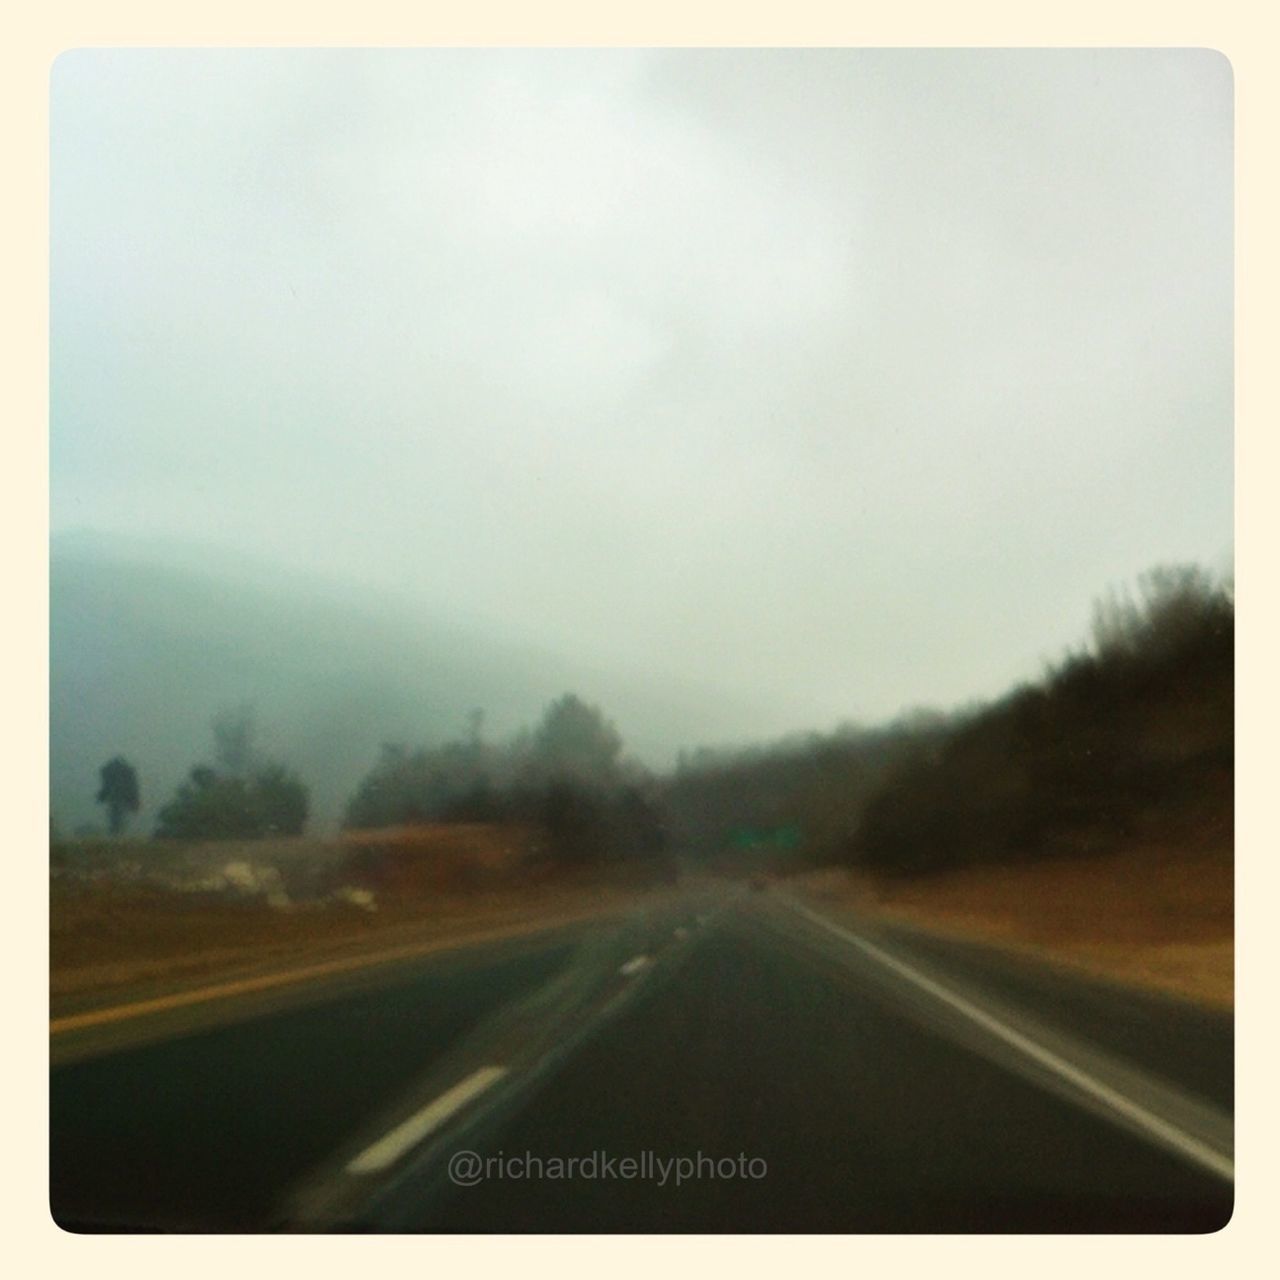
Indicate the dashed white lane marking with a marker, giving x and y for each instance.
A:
(389, 1148)
(1161, 1130)
(634, 965)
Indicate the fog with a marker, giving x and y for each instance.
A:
(151, 640)
(780, 387)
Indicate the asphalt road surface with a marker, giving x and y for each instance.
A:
(724, 1062)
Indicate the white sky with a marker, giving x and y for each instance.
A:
(846, 379)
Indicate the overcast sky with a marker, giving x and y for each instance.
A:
(842, 379)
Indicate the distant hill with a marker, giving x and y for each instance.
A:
(148, 642)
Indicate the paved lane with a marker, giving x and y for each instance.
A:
(842, 1096)
(865, 1119)
(203, 1132)
(1191, 1045)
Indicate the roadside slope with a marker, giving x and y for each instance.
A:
(1149, 916)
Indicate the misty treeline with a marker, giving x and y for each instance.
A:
(1133, 727)
(568, 777)
(1127, 735)
(735, 803)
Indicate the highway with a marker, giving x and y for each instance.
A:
(717, 1060)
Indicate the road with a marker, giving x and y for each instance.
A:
(727, 1061)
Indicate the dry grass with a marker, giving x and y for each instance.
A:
(110, 936)
(1151, 915)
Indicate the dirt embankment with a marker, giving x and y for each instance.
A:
(143, 918)
(1152, 915)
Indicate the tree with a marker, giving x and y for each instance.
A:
(243, 798)
(207, 807)
(118, 790)
(280, 799)
(575, 741)
(641, 829)
(212, 806)
(575, 820)
(1178, 607)
(446, 783)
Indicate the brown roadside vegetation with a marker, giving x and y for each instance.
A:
(1157, 915)
(206, 912)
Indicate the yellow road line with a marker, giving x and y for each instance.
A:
(286, 977)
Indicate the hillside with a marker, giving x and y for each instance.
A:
(1131, 735)
(1130, 739)
(146, 646)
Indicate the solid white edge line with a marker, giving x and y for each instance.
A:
(1163, 1131)
(389, 1148)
